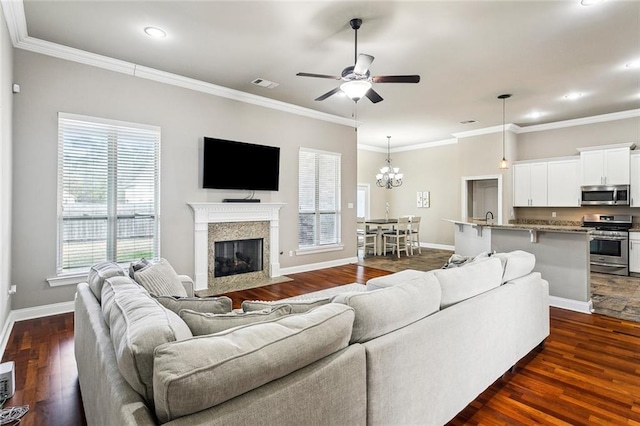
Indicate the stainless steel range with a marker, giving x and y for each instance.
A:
(609, 246)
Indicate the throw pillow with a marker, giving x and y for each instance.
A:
(201, 323)
(212, 305)
(160, 279)
(298, 306)
(138, 266)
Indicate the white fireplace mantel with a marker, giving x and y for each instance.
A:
(205, 213)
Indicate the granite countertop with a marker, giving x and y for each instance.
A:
(636, 228)
(538, 225)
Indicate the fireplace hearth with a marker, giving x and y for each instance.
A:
(237, 257)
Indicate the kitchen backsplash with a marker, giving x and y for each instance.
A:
(569, 215)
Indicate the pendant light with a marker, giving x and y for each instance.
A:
(389, 176)
(503, 163)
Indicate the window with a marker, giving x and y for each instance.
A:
(318, 198)
(108, 192)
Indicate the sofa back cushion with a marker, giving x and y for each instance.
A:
(382, 311)
(202, 323)
(212, 305)
(100, 272)
(202, 372)
(462, 283)
(137, 324)
(298, 306)
(516, 264)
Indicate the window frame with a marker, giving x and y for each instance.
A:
(317, 212)
(115, 129)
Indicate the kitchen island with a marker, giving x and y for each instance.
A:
(562, 255)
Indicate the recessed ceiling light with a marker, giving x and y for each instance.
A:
(633, 64)
(590, 2)
(573, 96)
(155, 32)
(536, 114)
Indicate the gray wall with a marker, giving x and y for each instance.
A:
(6, 108)
(51, 85)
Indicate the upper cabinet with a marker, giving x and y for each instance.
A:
(530, 184)
(563, 183)
(606, 166)
(634, 188)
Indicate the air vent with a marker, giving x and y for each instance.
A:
(265, 83)
(468, 122)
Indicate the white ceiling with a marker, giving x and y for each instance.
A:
(466, 52)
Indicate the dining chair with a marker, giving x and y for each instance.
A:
(414, 233)
(397, 238)
(366, 237)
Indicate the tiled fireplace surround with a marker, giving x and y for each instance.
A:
(234, 221)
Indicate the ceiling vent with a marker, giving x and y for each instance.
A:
(265, 83)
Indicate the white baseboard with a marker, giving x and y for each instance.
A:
(438, 246)
(315, 266)
(31, 313)
(572, 305)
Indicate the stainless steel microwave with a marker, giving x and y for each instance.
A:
(605, 195)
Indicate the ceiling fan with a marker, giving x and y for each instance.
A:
(357, 78)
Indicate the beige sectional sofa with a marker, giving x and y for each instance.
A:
(411, 348)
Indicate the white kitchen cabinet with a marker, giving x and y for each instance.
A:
(634, 252)
(605, 166)
(634, 183)
(563, 183)
(530, 184)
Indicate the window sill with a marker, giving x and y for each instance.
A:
(320, 249)
(67, 279)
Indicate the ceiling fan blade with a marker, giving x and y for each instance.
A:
(329, 93)
(373, 96)
(306, 74)
(396, 79)
(362, 64)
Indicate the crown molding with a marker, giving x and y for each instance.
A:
(17, 26)
(509, 127)
(582, 121)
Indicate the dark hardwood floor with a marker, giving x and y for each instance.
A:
(587, 373)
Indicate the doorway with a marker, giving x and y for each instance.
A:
(480, 195)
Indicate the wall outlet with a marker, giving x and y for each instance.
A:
(553, 214)
(290, 253)
(7, 379)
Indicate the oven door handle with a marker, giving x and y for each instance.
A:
(597, 237)
(610, 265)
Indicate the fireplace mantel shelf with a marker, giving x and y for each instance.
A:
(205, 213)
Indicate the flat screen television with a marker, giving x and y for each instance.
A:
(240, 165)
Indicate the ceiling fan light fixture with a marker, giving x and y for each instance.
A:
(355, 89)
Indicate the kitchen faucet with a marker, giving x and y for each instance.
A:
(486, 216)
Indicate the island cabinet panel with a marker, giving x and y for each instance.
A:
(563, 183)
(530, 184)
(634, 253)
(606, 166)
(635, 181)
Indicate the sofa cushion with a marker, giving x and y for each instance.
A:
(160, 279)
(212, 305)
(516, 264)
(459, 284)
(100, 272)
(382, 311)
(202, 372)
(297, 306)
(137, 324)
(392, 279)
(202, 323)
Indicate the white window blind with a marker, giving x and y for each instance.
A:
(318, 198)
(108, 192)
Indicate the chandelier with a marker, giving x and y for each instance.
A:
(389, 176)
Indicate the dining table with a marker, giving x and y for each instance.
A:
(381, 225)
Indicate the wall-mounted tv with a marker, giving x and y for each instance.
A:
(240, 165)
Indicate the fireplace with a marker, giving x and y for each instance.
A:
(237, 257)
(220, 222)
